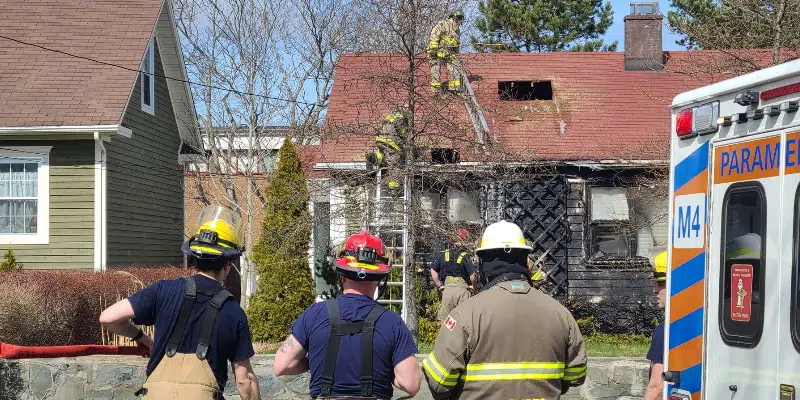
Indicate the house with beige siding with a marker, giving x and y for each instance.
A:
(95, 113)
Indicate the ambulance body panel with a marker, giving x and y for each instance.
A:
(734, 184)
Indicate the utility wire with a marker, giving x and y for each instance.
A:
(157, 75)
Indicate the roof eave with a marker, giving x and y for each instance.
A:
(66, 129)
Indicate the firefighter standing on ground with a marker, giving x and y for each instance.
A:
(354, 348)
(443, 48)
(509, 341)
(390, 143)
(198, 326)
(460, 276)
(655, 354)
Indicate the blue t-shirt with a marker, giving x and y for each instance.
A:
(656, 352)
(391, 344)
(159, 305)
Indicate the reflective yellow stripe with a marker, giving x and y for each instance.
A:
(205, 249)
(574, 373)
(744, 252)
(356, 264)
(515, 365)
(450, 40)
(461, 257)
(388, 141)
(447, 256)
(438, 373)
(514, 371)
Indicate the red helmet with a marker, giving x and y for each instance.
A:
(363, 258)
(462, 235)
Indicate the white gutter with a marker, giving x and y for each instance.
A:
(341, 166)
(597, 164)
(89, 129)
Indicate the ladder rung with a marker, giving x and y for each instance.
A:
(390, 301)
(397, 265)
(394, 283)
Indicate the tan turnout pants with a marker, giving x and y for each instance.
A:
(183, 376)
(456, 291)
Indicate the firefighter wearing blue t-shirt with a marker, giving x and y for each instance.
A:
(198, 328)
(353, 347)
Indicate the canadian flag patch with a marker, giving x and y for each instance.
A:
(450, 323)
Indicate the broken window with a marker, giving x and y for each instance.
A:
(444, 156)
(610, 230)
(525, 90)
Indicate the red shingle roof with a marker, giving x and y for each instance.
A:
(599, 110)
(44, 88)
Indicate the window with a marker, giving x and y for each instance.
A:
(525, 90)
(444, 156)
(742, 265)
(148, 80)
(269, 160)
(24, 195)
(795, 324)
(611, 236)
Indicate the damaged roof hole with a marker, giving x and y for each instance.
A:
(525, 90)
(444, 156)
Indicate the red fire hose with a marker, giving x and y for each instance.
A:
(13, 352)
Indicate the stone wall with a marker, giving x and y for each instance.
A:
(104, 377)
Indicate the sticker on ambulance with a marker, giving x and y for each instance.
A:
(689, 223)
(741, 292)
(787, 392)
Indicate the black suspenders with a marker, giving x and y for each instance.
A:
(209, 317)
(338, 329)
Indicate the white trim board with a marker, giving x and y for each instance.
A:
(100, 205)
(42, 235)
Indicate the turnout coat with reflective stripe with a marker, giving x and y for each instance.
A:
(510, 342)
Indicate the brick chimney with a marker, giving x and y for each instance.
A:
(643, 38)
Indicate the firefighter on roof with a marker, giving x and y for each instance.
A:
(389, 145)
(509, 341)
(199, 330)
(443, 48)
(460, 276)
(354, 348)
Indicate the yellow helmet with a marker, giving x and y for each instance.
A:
(660, 267)
(217, 234)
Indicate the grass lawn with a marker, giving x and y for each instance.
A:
(601, 345)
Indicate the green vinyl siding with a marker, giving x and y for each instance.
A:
(71, 208)
(145, 184)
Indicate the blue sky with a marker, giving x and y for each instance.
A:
(617, 30)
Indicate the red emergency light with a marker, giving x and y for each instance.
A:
(683, 123)
(781, 91)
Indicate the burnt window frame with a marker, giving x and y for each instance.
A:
(631, 261)
(793, 328)
(756, 311)
(506, 93)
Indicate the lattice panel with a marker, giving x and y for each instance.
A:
(539, 207)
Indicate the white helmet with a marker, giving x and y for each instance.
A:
(503, 235)
(745, 247)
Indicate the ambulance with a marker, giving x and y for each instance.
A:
(732, 323)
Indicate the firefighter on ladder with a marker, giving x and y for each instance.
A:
(479, 354)
(354, 348)
(443, 48)
(198, 329)
(460, 276)
(389, 145)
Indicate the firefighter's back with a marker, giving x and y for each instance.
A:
(520, 344)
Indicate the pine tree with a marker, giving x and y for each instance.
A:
(543, 25)
(736, 24)
(285, 286)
